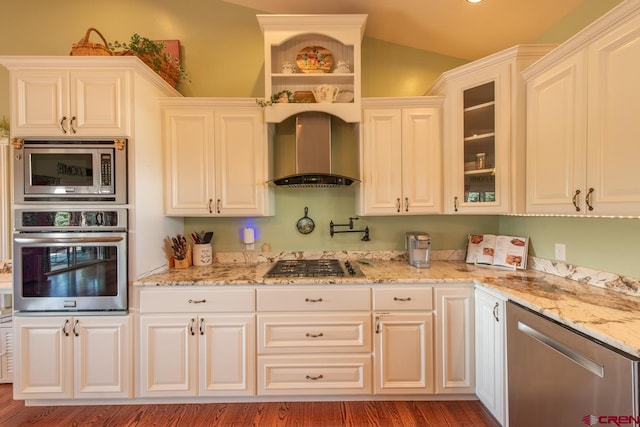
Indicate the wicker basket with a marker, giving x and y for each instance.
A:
(168, 71)
(86, 48)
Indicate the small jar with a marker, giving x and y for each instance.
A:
(481, 160)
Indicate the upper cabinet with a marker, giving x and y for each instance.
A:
(216, 158)
(400, 151)
(303, 52)
(582, 137)
(484, 132)
(70, 102)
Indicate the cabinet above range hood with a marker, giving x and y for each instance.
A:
(314, 157)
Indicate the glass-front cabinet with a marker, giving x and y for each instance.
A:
(314, 60)
(484, 132)
(479, 148)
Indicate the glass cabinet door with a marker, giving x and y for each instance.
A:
(479, 148)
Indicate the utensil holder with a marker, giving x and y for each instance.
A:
(202, 254)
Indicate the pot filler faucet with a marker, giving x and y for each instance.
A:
(365, 238)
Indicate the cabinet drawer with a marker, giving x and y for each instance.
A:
(328, 374)
(314, 299)
(314, 333)
(403, 298)
(196, 300)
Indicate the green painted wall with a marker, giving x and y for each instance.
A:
(222, 51)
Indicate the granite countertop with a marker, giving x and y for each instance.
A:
(609, 316)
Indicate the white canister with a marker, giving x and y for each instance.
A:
(202, 254)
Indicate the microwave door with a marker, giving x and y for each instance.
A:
(60, 172)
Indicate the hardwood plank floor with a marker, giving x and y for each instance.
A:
(296, 414)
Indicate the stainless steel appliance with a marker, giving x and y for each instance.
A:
(70, 171)
(314, 268)
(419, 248)
(70, 260)
(560, 377)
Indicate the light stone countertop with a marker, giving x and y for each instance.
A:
(609, 316)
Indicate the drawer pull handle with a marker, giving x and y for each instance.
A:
(310, 335)
(318, 377)
(313, 300)
(402, 299)
(197, 301)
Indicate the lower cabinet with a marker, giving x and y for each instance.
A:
(192, 343)
(403, 340)
(64, 357)
(314, 341)
(490, 331)
(455, 365)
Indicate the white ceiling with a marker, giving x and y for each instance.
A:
(448, 27)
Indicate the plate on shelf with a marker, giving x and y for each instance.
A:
(344, 96)
(314, 59)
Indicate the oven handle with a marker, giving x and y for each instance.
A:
(68, 240)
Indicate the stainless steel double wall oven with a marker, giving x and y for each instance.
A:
(70, 227)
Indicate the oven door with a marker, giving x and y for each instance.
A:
(70, 271)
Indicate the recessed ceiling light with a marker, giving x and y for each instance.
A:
(474, 1)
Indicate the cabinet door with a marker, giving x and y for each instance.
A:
(40, 103)
(189, 159)
(613, 132)
(227, 355)
(556, 138)
(421, 160)
(242, 167)
(403, 353)
(490, 351)
(168, 356)
(477, 145)
(454, 340)
(382, 162)
(99, 103)
(44, 358)
(102, 353)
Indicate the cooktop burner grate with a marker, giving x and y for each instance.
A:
(312, 268)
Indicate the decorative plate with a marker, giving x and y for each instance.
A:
(314, 59)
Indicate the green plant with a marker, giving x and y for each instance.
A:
(151, 52)
(276, 99)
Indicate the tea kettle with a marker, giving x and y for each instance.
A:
(326, 93)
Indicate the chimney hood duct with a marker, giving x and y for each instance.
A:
(313, 155)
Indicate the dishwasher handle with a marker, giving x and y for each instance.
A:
(581, 360)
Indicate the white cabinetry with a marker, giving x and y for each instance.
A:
(72, 357)
(314, 341)
(490, 340)
(403, 340)
(197, 342)
(582, 134)
(216, 158)
(454, 339)
(70, 102)
(6, 351)
(484, 132)
(401, 157)
(287, 38)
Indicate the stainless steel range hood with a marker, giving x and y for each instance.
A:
(313, 155)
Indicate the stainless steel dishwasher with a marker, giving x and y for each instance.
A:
(560, 377)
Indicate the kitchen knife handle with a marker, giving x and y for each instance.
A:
(575, 200)
(587, 199)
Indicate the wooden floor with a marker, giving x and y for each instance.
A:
(463, 413)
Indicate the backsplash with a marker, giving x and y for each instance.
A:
(611, 281)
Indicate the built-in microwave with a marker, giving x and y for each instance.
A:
(70, 171)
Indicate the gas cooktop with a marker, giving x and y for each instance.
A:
(314, 268)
